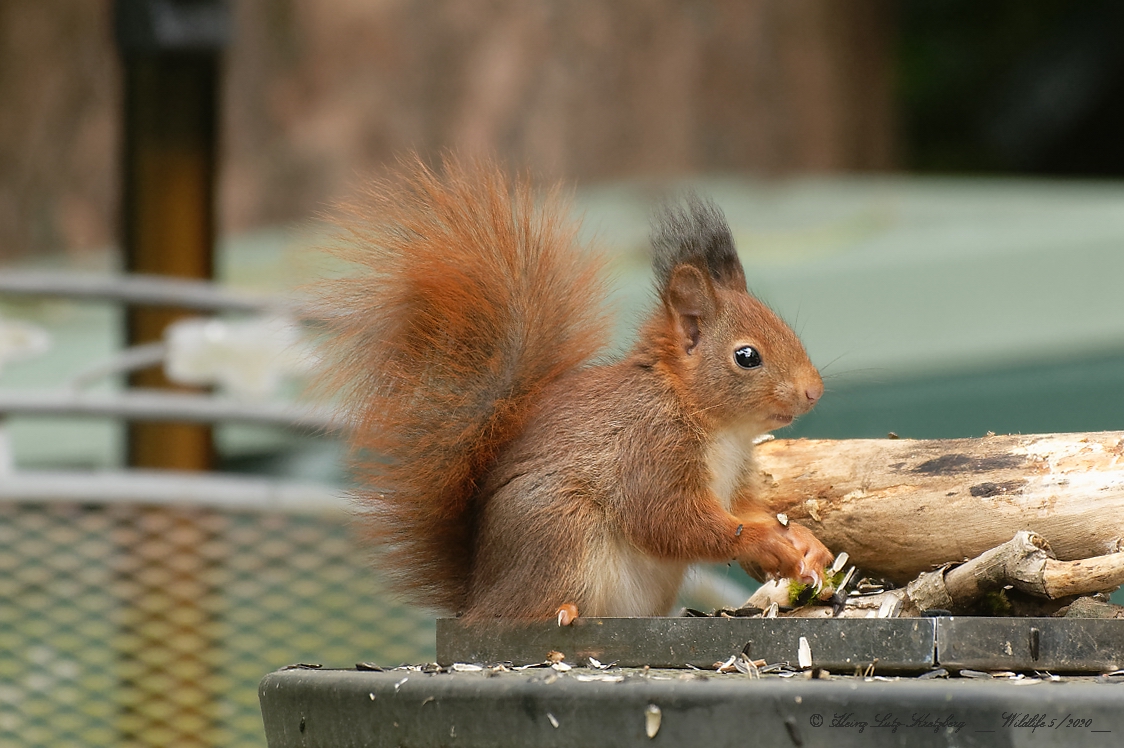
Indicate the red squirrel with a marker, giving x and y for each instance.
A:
(504, 471)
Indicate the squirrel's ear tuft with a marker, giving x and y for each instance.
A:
(695, 232)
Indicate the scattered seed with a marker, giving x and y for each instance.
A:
(747, 666)
(600, 678)
(725, 667)
(465, 667)
(652, 718)
(938, 673)
(804, 654)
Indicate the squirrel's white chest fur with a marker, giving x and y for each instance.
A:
(729, 457)
(622, 580)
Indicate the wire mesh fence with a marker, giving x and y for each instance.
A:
(133, 625)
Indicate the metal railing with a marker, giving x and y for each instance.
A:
(141, 608)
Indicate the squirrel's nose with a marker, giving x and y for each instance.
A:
(813, 392)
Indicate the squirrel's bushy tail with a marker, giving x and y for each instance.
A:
(471, 296)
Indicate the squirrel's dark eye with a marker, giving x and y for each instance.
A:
(747, 357)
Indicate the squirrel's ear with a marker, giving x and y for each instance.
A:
(690, 298)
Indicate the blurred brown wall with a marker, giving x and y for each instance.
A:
(321, 92)
(58, 126)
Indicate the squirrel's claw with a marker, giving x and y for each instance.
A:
(810, 576)
(567, 614)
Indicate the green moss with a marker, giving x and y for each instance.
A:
(800, 594)
(995, 604)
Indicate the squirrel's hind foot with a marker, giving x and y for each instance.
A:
(567, 614)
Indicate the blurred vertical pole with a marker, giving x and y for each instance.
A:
(171, 53)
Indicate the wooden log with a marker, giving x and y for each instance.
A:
(901, 507)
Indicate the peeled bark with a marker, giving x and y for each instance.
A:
(902, 507)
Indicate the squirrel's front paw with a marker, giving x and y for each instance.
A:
(787, 551)
(814, 554)
(773, 556)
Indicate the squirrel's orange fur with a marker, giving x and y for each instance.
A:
(502, 472)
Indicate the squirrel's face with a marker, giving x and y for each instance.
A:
(752, 369)
(745, 367)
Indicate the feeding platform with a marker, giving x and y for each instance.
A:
(640, 681)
